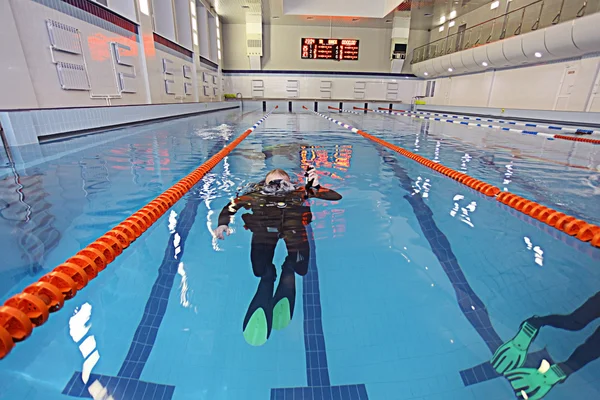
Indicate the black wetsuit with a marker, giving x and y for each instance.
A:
(577, 320)
(277, 217)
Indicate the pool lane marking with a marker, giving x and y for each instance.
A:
(127, 383)
(501, 121)
(469, 303)
(484, 371)
(107, 248)
(584, 231)
(317, 367)
(147, 330)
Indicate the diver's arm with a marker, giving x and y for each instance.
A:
(322, 193)
(314, 189)
(230, 209)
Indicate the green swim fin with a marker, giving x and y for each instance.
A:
(256, 331)
(513, 353)
(284, 299)
(259, 317)
(281, 314)
(534, 384)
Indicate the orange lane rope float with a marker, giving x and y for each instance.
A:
(29, 309)
(578, 228)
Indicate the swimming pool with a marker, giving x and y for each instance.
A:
(414, 280)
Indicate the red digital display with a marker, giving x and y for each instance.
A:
(330, 49)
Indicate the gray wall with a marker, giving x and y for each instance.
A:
(281, 48)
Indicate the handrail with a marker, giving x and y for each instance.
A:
(472, 28)
(430, 50)
(31, 308)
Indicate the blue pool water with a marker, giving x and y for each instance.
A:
(414, 280)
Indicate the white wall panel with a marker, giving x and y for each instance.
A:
(30, 19)
(471, 90)
(16, 88)
(531, 88)
(527, 88)
(164, 18)
(310, 86)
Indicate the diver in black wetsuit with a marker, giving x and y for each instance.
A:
(279, 211)
(534, 384)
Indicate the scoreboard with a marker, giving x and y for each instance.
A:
(330, 49)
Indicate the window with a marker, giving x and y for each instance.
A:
(399, 48)
(427, 88)
(432, 89)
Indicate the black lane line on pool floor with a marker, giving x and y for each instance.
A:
(470, 304)
(127, 383)
(317, 370)
(539, 197)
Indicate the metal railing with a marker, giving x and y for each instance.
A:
(533, 16)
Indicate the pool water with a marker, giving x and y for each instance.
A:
(413, 283)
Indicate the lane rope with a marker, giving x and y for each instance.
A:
(30, 308)
(582, 230)
(450, 119)
(503, 121)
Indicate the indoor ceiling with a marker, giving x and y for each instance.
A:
(424, 13)
(234, 12)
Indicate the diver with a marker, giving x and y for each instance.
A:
(534, 384)
(279, 211)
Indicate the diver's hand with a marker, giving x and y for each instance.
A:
(313, 176)
(512, 354)
(221, 231)
(533, 384)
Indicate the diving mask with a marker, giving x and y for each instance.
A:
(278, 187)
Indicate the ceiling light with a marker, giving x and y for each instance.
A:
(425, 73)
(484, 64)
(538, 54)
(494, 5)
(441, 28)
(450, 70)
(442, 19)
(450, 24)
(452, 14)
